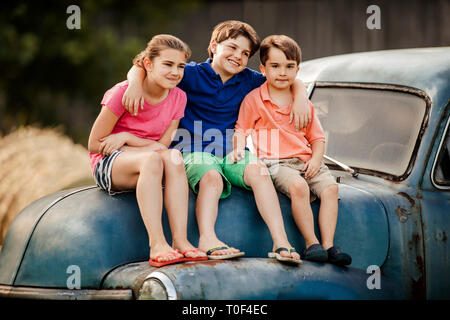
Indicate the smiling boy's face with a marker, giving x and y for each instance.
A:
(280, 72)
(230, 56)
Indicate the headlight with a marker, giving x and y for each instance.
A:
(157, 286)
(152, 289)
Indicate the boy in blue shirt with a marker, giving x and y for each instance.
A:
(215, 90)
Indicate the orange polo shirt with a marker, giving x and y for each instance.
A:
(272, 134)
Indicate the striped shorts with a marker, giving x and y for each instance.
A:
(102, 173)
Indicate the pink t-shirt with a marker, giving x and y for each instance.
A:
(150, 123)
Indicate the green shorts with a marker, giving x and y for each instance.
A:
(198, 163)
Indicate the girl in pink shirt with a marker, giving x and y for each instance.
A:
(131, 151)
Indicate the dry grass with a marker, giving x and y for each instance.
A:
(34, 163)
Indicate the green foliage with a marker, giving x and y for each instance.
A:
(52, 75)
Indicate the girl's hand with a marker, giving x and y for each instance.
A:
(153, 146)
(236, 155)
(133, 98)
(111, 143)
(311, 168)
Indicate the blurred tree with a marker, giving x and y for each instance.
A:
(52, 75)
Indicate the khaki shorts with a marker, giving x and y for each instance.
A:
(284, 171)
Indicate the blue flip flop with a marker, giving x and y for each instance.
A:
(222, 256)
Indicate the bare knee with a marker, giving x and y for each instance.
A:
(330, 192)
(172, 158)
(151, 162)
(256, 173)
(299, 189)
(212, 179)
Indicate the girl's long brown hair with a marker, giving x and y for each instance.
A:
(159, 43)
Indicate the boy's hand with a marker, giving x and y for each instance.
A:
(311, 168)
(111, 143)
(236, 155)
(133, 98)
(301, 114)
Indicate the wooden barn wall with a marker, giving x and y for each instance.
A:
(324, 27)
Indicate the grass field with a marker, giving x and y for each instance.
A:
(36, 162)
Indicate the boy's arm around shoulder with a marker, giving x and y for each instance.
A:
(133, 98)
(314, 130)
(300, 112)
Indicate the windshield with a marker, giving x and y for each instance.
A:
(370, 128)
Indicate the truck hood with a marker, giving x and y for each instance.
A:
(97, 233)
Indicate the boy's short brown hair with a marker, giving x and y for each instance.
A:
(288, 45)
(231, 29)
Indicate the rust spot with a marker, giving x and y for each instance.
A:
(408, 197)
(195, 264)
(402, 214)
(414, 243)
(440, 235)
(418, 286)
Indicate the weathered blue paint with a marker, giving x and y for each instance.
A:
(74, 231)
(434, 205)
(97, 232)
(257, 278)
(16, 240)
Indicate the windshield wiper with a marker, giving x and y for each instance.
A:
(343, 166)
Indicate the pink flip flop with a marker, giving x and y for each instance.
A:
(156, 263)
(192, 258)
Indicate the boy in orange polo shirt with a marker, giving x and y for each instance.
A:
(294, 158)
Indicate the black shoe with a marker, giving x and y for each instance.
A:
(316, 253)
(336, 256)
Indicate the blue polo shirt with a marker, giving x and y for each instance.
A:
(212, 108)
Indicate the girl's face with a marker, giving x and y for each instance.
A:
(279, 71)
(167, 69)
(230, 56)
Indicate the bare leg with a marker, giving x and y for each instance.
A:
(143, 171)
(328, 215)
(301, 210)
(258, 178)
(176, 199)
(210, 189)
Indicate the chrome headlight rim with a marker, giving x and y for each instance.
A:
(164, 280)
